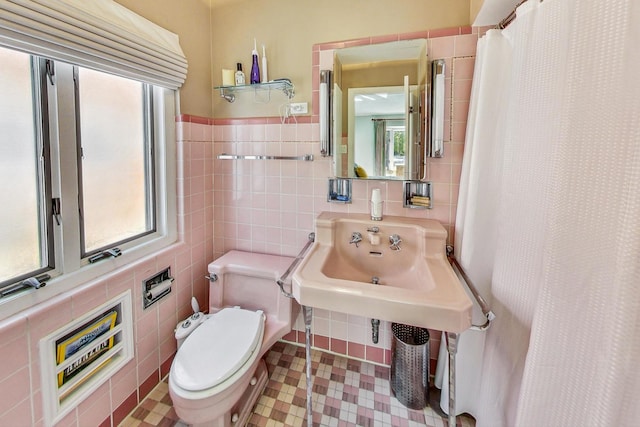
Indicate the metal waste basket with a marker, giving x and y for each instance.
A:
(410, 365)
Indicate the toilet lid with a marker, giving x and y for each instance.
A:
(217, 348)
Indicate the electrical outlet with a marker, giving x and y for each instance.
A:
(298, 108)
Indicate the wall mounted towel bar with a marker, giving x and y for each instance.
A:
(223, 156)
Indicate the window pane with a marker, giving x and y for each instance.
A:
(114, 183)
(20, 219)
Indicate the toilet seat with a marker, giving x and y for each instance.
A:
(218, 348)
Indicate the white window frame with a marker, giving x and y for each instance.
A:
(70, 270)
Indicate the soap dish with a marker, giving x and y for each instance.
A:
(417, 195)
(339, 190)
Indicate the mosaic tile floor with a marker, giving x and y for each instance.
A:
(346, 392)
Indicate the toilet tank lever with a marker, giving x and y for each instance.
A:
(212, 277)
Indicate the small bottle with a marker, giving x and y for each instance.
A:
(376, 205)
(239, 75)
(264, 66)
(255, 68)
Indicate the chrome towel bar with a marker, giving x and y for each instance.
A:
(481, 301)
(223, 156)
(294, 264)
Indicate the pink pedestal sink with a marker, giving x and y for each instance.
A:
(416, 284)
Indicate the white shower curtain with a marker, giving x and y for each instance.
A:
(565, 348)
(475, 230)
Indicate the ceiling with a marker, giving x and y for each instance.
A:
(491, 11)
(383, 103)
(216, 3)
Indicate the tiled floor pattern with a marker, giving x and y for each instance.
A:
(346, 392)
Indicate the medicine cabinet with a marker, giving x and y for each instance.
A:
(377, 110)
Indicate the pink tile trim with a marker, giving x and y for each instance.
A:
(106, 422)
(466, 30)
(338, 346)
(321, 342)
(331, 45)
(444, 32)
(166, 366)
(183, 118)
(260, 121)
(375, 354)
(148, 384)
(414, 35)
(194, 119)
(356, 350)
(125, 408)
(385, 39)
(291, 337)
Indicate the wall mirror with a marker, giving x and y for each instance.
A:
(378, 110)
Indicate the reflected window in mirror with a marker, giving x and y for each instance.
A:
(378, 133)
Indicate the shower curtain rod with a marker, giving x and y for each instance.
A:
(385, 120)
(510, 17)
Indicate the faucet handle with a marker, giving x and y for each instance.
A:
(356, 237)
(395, 241)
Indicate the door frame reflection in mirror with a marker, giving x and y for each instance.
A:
(377, 109)
(379, 65)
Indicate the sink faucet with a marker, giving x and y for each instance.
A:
(356, 238)
(395, 241)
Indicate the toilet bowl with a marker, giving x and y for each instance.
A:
(218, 372)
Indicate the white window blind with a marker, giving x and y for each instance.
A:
(98, 34)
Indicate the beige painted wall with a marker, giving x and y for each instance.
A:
(474, 9)
(190, 19)
(289, 29)
(217, 38)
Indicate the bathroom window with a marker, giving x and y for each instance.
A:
(116, 161)
(85, 167)
(25, 231)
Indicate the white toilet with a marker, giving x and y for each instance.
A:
(218, 372)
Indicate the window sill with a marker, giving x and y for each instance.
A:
(57, 287)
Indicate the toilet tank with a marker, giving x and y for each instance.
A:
(248, 280)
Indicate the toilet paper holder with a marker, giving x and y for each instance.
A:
(156, 287)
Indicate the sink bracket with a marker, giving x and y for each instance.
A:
(296, 261)
(452, 348)
(474, 291)
(308, 316)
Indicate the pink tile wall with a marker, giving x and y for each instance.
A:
(262, 206)
(21, 396)
(269, 206)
